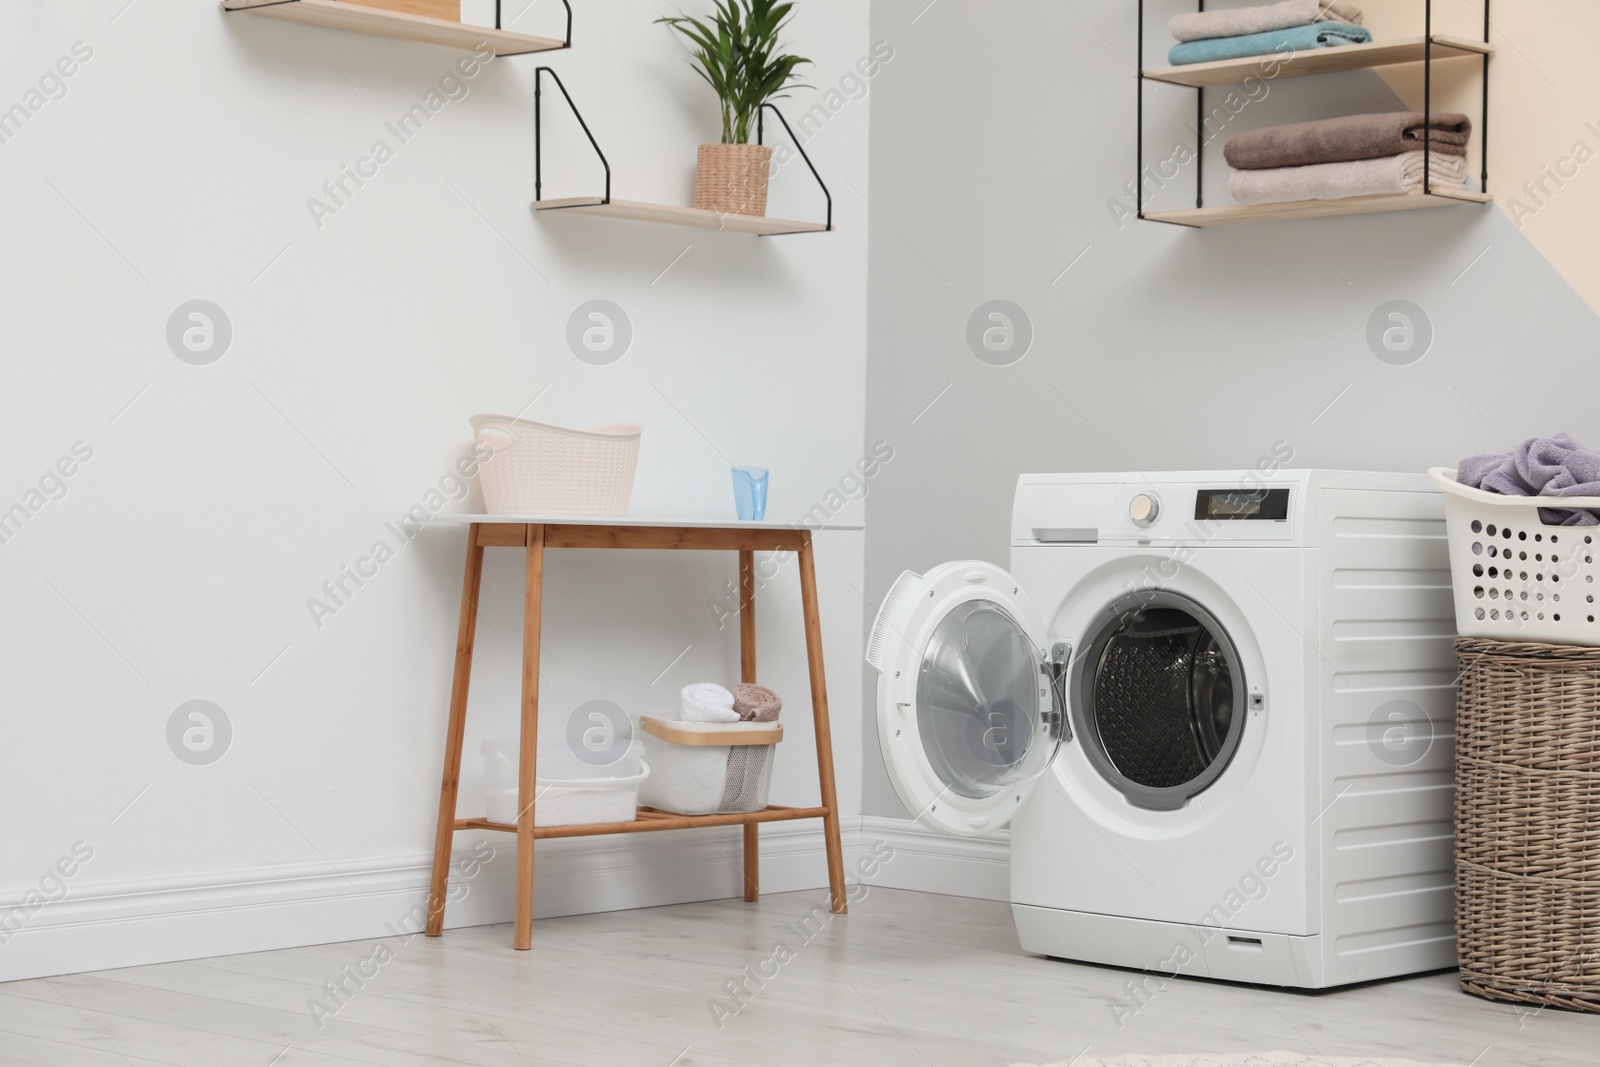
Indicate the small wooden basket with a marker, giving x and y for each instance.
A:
(1528, 822)
(732, 178)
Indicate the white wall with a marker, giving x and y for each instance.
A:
(177, 165)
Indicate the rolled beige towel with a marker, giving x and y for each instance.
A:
(1243, 21)
(756, 703)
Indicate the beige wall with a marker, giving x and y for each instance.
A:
(1544, 118)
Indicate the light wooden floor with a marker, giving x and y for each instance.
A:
(905, 979)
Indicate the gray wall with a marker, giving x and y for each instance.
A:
(999, 134)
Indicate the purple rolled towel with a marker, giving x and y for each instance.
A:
(756, 703)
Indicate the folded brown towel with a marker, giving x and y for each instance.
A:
(756, 702)
(1347, 138)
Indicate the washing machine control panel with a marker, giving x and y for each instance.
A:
(1148, 511)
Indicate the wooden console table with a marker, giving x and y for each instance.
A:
(534, 534)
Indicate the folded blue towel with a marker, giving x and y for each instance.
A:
(1298, 39)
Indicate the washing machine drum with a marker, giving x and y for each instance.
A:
(1158, 698)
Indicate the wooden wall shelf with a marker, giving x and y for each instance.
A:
(1201, 76)
(1321, 61)
(358, 18)
(637, 211)
(1230, 214)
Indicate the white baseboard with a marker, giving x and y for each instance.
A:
(930, 862)
(102, 927)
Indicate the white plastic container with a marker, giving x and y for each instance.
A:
(1515, 578)
(707, 768)
(539, 469)
(569, 791)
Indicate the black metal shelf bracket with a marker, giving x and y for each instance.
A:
(761, 139)
(1427, 113)
(538, 132)
(564, 3)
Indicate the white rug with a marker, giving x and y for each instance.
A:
(1237, 1059)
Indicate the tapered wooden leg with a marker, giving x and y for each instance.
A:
(527, 765)
(819, 712)
(747, 673)
(444, 834)
(752, 861)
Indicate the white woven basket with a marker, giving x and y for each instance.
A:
(1515, 578)
(708, 768)
(539, 469)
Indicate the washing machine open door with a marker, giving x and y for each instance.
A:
(971, 700)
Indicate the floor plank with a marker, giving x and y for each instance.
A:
(904, 980)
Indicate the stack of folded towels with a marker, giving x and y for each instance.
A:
(1354, 155)
(1270, 29)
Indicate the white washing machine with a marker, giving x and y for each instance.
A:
(1217, 710)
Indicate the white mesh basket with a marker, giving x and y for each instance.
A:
(539, 469)
(707, 768)
(1514, 577)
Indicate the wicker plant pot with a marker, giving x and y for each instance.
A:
(732, 178)
(1528, 822)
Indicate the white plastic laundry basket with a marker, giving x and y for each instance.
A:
(570, 791)
(541, 469)
(1514, 577)
(707, 768)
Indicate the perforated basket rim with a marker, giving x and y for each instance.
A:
(1445, 479)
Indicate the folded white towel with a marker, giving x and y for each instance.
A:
(1387, 175)
(707, 702)
(1242, 21)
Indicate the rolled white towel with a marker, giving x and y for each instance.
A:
(1385, 176)
(707, 702)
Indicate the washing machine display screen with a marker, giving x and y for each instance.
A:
(1224, 505)
(978, 700)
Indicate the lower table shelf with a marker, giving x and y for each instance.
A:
(650, 819)
(1315, 209)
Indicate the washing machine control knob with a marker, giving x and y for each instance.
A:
(1144, 509)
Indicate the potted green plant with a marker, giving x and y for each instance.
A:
(740, 57)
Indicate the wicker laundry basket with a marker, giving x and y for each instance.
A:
(1528, 822)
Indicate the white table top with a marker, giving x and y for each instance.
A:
(632, 520)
